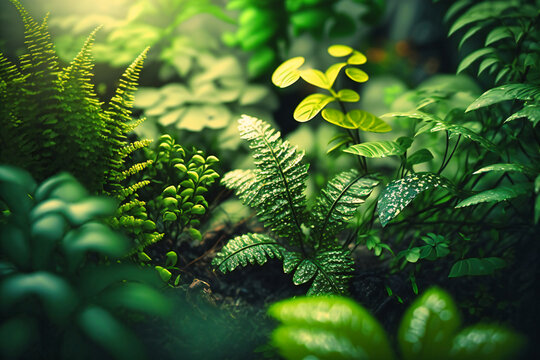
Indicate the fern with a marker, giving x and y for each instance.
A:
(275, 188)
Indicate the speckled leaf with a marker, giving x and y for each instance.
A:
(500, 193)
(476, 267)
(327, 328)
(400, 193)
(483, 341)
(428, 326)
(247, 249)
(287, 73)
(366, 121)
(334, 271)
(310, 106)
(304, 272)
(376, 149)
(291, 259)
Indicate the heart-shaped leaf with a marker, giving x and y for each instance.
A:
(287, 73)
(311, 106)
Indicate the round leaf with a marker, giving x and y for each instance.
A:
(357, 58)
(357, 75)
(287, 73)
(348, 95)
(316, 78)
(311, 106)
(340, 50)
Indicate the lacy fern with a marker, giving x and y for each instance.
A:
(304, 240)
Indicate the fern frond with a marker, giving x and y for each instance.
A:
(145, 240)
(135, 169)
(8, 71)
(334, 268)
(123, 192)
(134, 124)
(245, 184)
(281, 175)
(337, 203)
(131, 147)
(247, 249)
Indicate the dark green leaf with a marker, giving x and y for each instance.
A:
(475, 266)
(469, 59)
(500, 193)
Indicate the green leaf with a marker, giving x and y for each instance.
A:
(348, 95)
(327, 328)
(467, 133)
(524, 92)
(481, 11)
(418, 115)
(357, 75)
(334, 268)
(427, 328)
(164, 274)
(500, 193)
(497, 34)
(311, 106)
(469, 59)
(473, 30)
(505, 167)
(366, 121)
(336, 117)
(261, 61)
(531, 112)
(377, 149)
(340, 50)
(304, 272)
(419, 157)
(337, 203)
(332, 72)
(357, 58)
(247, 249)
(315, 78)
(476, 267)
(399, 193)
(486, 63)
(287, 73)
(172, 258)
(483, 341)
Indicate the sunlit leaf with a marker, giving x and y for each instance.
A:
(357, 58)
(500, 193)
(357, 75)
(465, 132)
(531, 112)
(399, 193)
(332, 72)
(340, 50)
(348, 95)
(476, 267)
(499, 33)
(287, 73)
(366, 121)
(316, 78)
(376, 149)
(524, 92)
(311, 106)
(336, 117)
(504, 167)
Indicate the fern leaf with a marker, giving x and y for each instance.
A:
(247, 249)
(126, 150)
(135, 169)
(245, 184)
(281, 175)
(337, 203)
(334, 268)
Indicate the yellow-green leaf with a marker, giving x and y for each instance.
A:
(311, 106)
(367, 122)
(336, 117)
(357, 75)
(332, 72)
(340, 50)
(287, 73)
(348, 95)
(316, 78)
(357, 58)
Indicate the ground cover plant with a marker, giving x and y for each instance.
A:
(379, 158)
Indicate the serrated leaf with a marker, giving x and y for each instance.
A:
(531, 112)
(340, 50)
(357, 75)
(332, 72)
(476, 266)
(316, 78)
(337, 203)
(399, 193)
(357, 58)
(524, 92)
(500, 193)
(245, 184)
(504, 167)
(376, 149)
(246, 249)
(472, 57)
(428, 325)
(327, 328)
(287, 73)
(311, 106)
(366, 121)
(348, 95)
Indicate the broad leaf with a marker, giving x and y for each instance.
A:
(316, 78)
(336, 117)
(467, 133)
(419, 157)
(287, 73)
(340, 50)
(469, 59)
(525, 92)
(428, 326)
(400, 193)
(332, 72)
(357, 75)
(486, 63)
(247, 249)
(481, 11)
(505, 167)
(337, 203)
(531, 112)
(366, 121)
(500, 193)
(311, 106)
(376, 149)
(476, 266)
(348, 95)
(327, 328)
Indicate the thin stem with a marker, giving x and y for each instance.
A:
(445, 152)
(451, 154)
